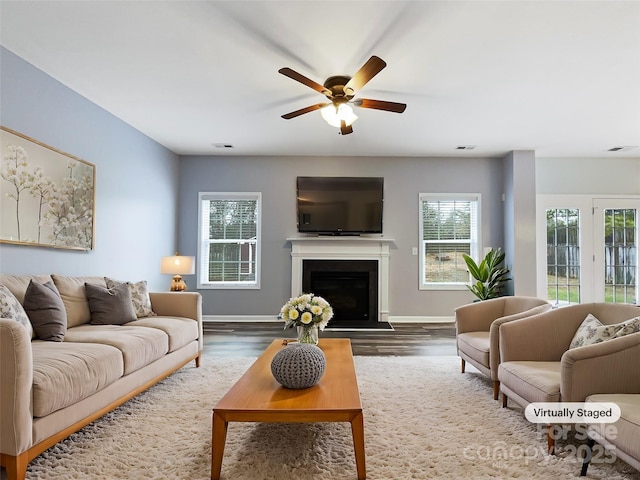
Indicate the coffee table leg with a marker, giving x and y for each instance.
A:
(218, 439)
(357, 430)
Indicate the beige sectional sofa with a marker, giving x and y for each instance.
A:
(50, 389)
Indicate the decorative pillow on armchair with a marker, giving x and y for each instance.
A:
(10, 308)
(110, 306)
(46, 311)
(139, 296)
(593, 331)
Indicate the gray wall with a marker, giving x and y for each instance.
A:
(520, 222)
(136, 181)
(610, 175)
(275, 177)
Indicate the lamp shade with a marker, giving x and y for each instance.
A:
(178, 265)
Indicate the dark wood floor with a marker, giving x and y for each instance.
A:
(406, 339)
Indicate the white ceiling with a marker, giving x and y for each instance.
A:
(561, 78)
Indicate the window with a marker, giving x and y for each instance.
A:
(587, 248)
(620, 259)
(449, 227)
(229, 253)
(563, 255)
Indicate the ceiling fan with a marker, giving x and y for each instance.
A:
(340, 90)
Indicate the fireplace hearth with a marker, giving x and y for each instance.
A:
(350, 286)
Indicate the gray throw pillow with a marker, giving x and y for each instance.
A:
(110, 306)
(46, 311)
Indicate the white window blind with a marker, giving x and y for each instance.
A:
(449, 227)
(229, 254)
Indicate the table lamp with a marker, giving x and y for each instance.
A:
(177, 266)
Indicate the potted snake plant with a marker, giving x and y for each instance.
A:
(489, 274)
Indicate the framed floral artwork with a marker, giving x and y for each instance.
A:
(47, 197)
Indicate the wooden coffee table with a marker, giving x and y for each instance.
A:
(258, 397)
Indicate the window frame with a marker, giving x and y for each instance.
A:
(204, 241)
(590, 276)
(474, 242)
(567, 286)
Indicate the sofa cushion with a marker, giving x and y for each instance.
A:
(591, 331)
(46, 311)
(535, 381)
(475, 345)
(18, 284)
(110, 306)
(74, 297)
(64, 373)
(10, 308)
(180, 331)
(139, 296)
(626, 434)
(139, 345)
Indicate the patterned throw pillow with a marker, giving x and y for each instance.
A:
(139, 296)
(10, 308)
(591, 331)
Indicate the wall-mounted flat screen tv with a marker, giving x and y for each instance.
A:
(340, 205)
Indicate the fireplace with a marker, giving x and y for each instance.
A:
(340, 252)
(350, 286)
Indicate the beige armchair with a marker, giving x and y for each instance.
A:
(477, 327)
(538, 366)
(624, 438)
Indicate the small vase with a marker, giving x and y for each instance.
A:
(308, 334)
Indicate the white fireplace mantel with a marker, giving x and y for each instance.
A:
(343, 248)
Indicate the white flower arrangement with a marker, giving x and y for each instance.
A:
(305, 310)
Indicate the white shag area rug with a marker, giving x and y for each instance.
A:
(423, 420)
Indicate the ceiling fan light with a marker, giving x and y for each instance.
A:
(333, 114)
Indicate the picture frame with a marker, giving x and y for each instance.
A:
(47, 197)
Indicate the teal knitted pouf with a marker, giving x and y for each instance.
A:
(298, 365)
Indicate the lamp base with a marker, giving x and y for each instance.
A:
(178, 284)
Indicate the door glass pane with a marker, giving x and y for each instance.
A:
(563, 255)
(620, 255)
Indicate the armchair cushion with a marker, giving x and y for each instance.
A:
(593, 331)
(533, 381)
(475, 345)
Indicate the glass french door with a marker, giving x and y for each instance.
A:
(616, 228)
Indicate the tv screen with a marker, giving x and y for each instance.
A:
(340, 205)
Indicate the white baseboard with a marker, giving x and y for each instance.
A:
(420, 319)
(274, 318)
(241, 318)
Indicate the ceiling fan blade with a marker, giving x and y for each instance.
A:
(380, 105)
(344, 128)
(287, 72)
(369, 70)
(302, 111)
